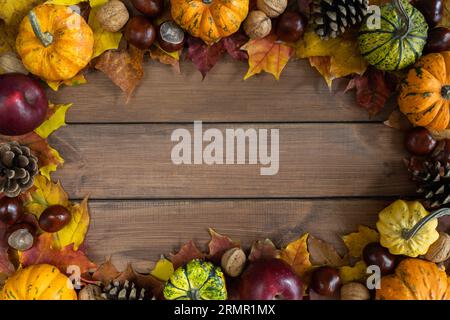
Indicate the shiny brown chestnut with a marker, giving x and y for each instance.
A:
(150, 8)
(438, 40)
(140, 32)
(432, 10)
(326, 281)
(11, 210)
(291, 26)
(170, 36)
(54, 218)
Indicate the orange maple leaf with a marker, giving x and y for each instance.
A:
(267, 55)
(297, 256)
(44, 252)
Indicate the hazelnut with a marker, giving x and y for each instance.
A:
(90, 292)
(257, 25)
(439, 251)
(233, 262)
(272, 8)
(354, 291)
(113, 16)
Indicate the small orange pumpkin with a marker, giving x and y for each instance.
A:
(54, 42)
(425, 93)
(38, 282)
(210, 20)
(415, 279)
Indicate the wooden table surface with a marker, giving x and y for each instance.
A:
(338, 167)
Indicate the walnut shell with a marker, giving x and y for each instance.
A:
(233, 262)
(439, 251)
(257, 25)
(113, 16)
(354, 291)
(272, 8)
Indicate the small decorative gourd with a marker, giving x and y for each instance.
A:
(209, 20)
(415, 279)
(425, 93)
(38, 282)
(197, 280)
(399, 41)
(402, 216)
(54, 42)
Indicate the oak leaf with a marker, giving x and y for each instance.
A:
(356, 241)
(44, 252)
(48, 158)
(187, 252)
(267, 55)
(358, 272)
(297, 256)
(204, 57)
(56, 119)
(169, 58)
(263, 249)
(44, 194)
(74, 232)
(322, 253)
(334, 58)
(218, 245)
(123, 67)
(163, 269)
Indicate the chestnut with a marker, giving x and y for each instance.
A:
(291, 26)
(432, 10)
(140, 32)
(438, 40)
(419, 141)
(150, 8)
(21, 236)
(54, 218)
(170, 36)
(11, 210)
(375, 254)
(326, 281)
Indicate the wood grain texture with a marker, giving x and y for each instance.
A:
(140, 231)
(301, 95)
(327, 160)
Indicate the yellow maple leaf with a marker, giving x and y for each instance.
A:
(267, 55)
(77, 228)
(46, 170)
(297, 256)
(75, 81)
(44, 194)
(163, 269)
(169, 58)
(356, 273)
(13, 11)
(55, 121)
(356, 241)
(344, 56)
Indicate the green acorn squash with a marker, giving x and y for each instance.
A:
(399, 41)
(198, 280)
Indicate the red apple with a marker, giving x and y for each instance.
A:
(23, 104)
(271, 279)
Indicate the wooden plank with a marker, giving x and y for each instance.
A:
(164, 96)
(327, 160)
(140, 231)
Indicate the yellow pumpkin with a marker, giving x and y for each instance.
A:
(210, 20)
(425, 93)
(38, 282)
(415, 279)
(54, 42)
(400, 216)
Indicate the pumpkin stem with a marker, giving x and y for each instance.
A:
(445, 92)
(46, 38)
(401, 11)
(408, 234)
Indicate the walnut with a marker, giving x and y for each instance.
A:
(233, 262)
(354, 291)
(439, 251)
(272, 8)
(113, 16)
(257, 25)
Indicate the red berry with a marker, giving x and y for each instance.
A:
(375, 254)
(326, 281)
(11, 210)
(420, 142)
(54, 218)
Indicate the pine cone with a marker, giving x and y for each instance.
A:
(18, 167)
(127, 291)
(333, 17)
(433, 181)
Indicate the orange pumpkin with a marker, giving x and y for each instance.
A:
(54, 42)
(38, 282)
(415, 279)
(425, 93)
(210, 20)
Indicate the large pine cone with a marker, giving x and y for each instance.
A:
(333, 17)
(18, 167)
(126, 291)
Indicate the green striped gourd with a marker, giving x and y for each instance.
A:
(399, 41)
